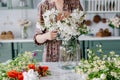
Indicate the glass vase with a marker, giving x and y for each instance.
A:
(24, 33)
(116, 32)
(69, 54)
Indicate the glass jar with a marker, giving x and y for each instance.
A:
(69, 54)
(24, 33)
(116, 31)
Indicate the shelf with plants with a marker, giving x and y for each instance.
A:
(102, 6)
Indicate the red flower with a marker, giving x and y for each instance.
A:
(42, 70)
(20, 76)
(12, 74)
(31, 66)
(45, 68)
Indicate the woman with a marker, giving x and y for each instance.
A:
(51, 52)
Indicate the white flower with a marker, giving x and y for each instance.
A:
(30, 75)
(103, 62)
(99, 45)
(103, 76)
(100, 50)
(28, 55)
(112, 52)
(3, 74)
(109, 59)
(114, 74)
(117, 55)
(89, 51)
(96, 58)
(105, 56)
(99, 62)
(95, 69)
(115, 21)
(78, 71)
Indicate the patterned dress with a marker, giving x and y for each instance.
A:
(52, 48)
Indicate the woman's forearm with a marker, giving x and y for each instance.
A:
(41, 38)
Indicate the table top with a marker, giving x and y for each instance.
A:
(57, 73)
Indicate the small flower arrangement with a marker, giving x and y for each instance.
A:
(114, 22)
(22, 67)
(25, 22)
(102, 67)
(68, 24)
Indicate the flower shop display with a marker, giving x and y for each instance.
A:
(25, 23)
(69, 26)
(100, 66)
(115, 24)
(23, 67)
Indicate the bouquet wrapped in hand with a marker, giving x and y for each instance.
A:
(68, 24)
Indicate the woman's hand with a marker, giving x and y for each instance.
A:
(51, 35)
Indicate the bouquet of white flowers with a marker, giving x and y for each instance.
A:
(114, 22)
(68, 26)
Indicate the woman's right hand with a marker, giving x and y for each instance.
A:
(51, 35)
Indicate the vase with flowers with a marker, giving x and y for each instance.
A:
(69, 26)
(24, 26)
(69, 53)
(115, 24)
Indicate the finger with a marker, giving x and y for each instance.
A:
(55, 31)
(54, 36)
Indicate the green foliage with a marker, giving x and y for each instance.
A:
(18, 64)
(102, 67)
